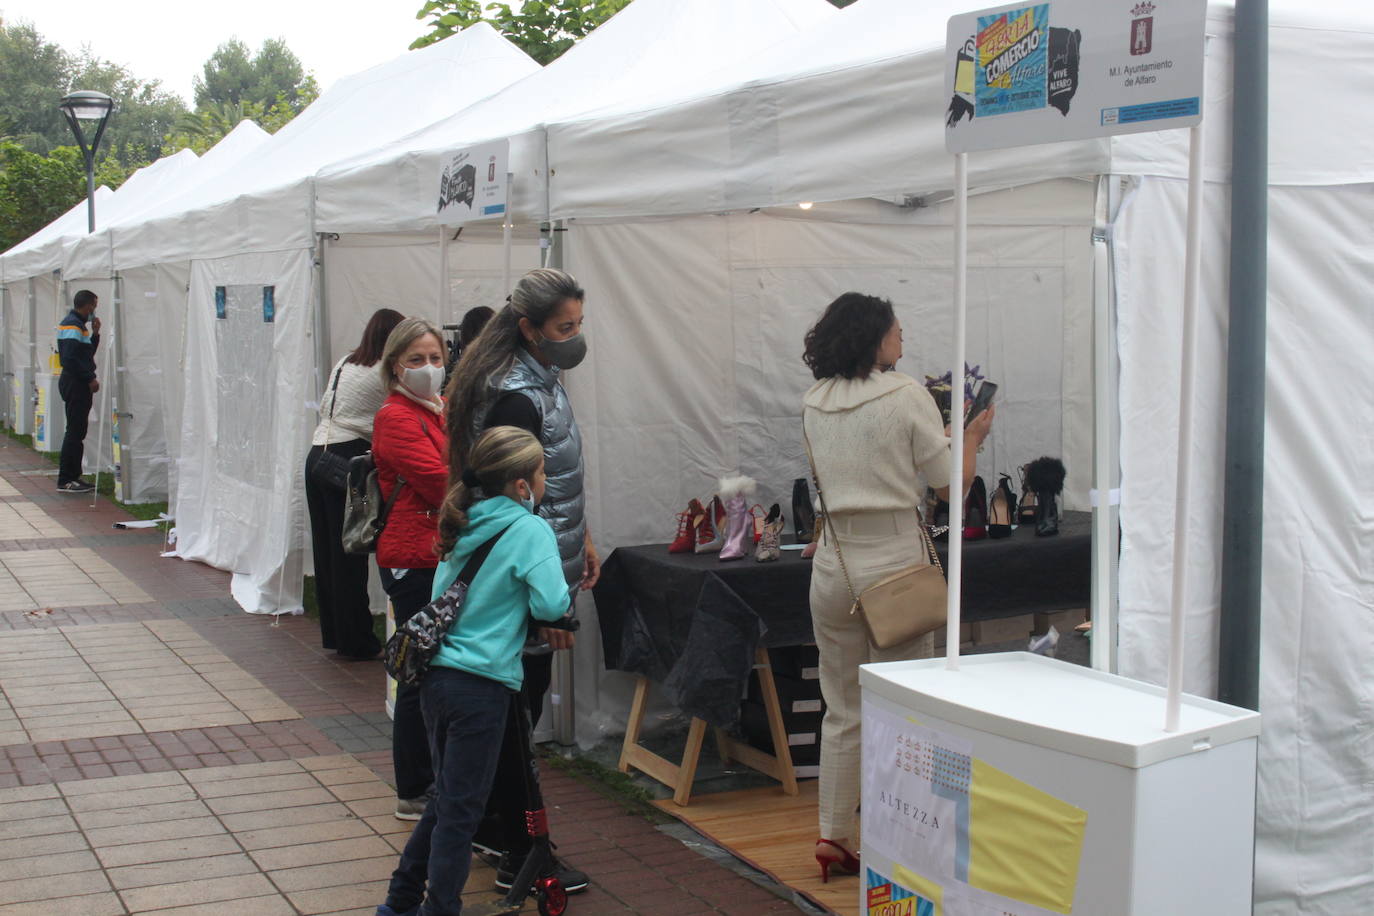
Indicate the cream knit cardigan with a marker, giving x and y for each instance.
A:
(360, 396)
(873, 439)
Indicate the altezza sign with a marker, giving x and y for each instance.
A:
(1071, 70)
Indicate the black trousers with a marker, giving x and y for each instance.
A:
(409, 739)
(77, 398)
(340, 577)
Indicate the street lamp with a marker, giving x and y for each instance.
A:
(86, 105)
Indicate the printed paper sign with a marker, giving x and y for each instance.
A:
(472, 185)
(1072, 70)
(965, 838)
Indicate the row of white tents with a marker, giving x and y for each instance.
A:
(668, 153)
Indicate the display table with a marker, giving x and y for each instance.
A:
(696, 626)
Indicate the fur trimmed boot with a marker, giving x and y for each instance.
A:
(739, 530)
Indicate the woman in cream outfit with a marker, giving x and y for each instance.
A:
(873, 434)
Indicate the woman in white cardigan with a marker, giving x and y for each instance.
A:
(352, 397)
(874, 434)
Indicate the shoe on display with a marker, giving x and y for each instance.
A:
(803, 514)
(738, 532)
(710, 527)
(976, 511)
(770, 543)
(75, 486)
(573, 881)
(686, 539)
(1001, 509)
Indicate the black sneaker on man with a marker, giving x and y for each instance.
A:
(573, 881)
(75, 486)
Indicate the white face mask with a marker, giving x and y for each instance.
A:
(424, 382)
(528, 501)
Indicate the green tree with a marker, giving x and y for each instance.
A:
(37, 73)
(273, 75)
(36, 189)
(543, 29)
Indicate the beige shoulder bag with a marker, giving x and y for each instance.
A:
(903, 606)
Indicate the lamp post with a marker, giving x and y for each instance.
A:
(86, 105)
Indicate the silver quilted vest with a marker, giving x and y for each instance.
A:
(563, 503)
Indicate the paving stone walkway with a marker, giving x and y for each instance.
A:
(163, 752)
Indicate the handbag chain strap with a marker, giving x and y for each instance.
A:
(829, 522)
(333, 399)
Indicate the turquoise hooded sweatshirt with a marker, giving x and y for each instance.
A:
(521, 577)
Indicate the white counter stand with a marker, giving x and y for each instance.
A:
(1169, 815)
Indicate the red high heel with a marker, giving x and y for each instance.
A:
(687, 523)
(844, 862)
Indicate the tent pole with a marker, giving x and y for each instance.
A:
(1105, 496)
(954, 564)
(1242, 520)
(121, 393)
(506, 235)
(443, 290)
(1192, 273)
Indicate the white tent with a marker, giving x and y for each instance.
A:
(703, 302)
(235, 255)
(144, 337)
(28, 290)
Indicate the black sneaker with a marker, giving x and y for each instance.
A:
(75, 486)
(573, 881)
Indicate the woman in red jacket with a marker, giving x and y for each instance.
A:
(410, 448)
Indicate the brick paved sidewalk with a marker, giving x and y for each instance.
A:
(161, 751)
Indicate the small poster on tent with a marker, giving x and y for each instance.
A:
(1072, 70)
(472, 184)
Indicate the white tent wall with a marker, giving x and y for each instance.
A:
(363, 273)
(152, 297)
(704, 318)
(1315, 812)
(16, 344)
(245, 425)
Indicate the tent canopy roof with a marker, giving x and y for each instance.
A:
(768, 130)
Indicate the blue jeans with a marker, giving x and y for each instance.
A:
(466, 717)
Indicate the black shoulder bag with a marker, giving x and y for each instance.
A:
(331, 468)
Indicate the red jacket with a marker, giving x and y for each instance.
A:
(410, 441)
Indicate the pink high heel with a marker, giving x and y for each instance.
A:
(837, 857)
(735, 491)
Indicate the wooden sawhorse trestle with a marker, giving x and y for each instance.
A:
(679, 776)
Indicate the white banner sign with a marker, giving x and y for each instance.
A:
(1072, 70)
(472, 185)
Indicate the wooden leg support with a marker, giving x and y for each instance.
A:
(679, 776)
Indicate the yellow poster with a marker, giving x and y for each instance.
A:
(1025, 843)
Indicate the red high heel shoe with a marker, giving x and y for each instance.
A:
(687, 527)
(842, 860)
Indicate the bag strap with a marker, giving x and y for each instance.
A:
(382, 516)
(479, 556)
(829, 522)
(333, 399)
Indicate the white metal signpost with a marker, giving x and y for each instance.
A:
(1029, 73)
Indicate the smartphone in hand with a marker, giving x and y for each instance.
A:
(981, 399)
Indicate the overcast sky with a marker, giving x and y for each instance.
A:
(170, 40)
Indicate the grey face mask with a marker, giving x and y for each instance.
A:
(565, 354)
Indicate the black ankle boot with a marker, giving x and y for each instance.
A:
(803, 515)
(1047, 520)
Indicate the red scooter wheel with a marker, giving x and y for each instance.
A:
(553, 900)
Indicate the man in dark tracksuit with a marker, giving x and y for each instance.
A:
(76, 346)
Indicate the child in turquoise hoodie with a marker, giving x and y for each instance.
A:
(469, 687)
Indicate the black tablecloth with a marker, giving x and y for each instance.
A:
(691, 623)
